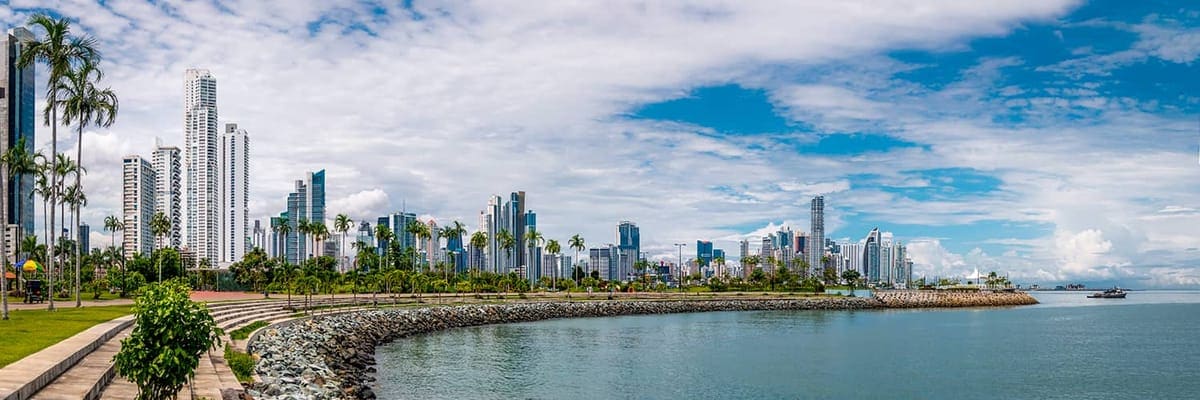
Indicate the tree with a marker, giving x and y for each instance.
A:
(320, 233)
(533, 239)
(76, 199)
(171, 333)
(342, 224)
(84, 104)
(61, 52)
(851, 276)
(160, 225)
(419, 230)
(479, 240)
(384, 236)
(553, 248)
(254, 269)
(576, 242)
(506, 241)
(16, 162)
(283, 227)
(302, 231)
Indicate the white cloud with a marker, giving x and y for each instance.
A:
(816, 188)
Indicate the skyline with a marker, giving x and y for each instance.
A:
(974, 131)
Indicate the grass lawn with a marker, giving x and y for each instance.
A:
(29, 331)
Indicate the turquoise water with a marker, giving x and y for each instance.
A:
(1068, 347)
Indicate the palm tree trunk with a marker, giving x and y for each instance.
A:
(53, 192)
(4, 178)
(79, 187)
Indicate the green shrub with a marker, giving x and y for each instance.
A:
(241, 363)
(171, 335)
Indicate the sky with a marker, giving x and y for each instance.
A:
(1053, 141)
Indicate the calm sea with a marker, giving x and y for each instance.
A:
(1069, 347)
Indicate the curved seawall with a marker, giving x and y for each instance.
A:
(332, 357)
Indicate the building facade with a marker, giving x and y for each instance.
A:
(17, 121)
(168, 187)
(306, 203)
(202, 224)
(816, 239)
(137, 205)
(234, 178)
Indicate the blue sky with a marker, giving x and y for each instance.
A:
(1055, 141)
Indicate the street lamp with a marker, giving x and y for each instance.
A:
(680, 246)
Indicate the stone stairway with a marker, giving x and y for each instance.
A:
(88, 377)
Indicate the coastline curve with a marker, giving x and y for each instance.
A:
(332, 357)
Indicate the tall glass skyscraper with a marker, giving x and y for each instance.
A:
(629, 237)
(704, 252)
(871, 256)
(307, 203)
(17, 114)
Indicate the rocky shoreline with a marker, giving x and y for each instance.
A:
(332, 357)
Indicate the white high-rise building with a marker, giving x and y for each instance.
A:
(816, 240)
(168, 190)
(137, 205)
(202, 225)
(234, 188)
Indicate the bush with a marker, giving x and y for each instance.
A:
(241, 363)
(171, 335)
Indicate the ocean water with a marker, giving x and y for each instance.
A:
(1069, 347)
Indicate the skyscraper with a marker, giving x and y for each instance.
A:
(234, 187)
(514, 210)
(533, 259)
(492, 215)
(17, 114)
(137, 205)
(629, 237)
(84, 238)
(306, 203)
(871, 256)
(200, 161)
(704, 252)
(168, 187)
(816, 240)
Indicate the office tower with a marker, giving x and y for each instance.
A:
(816, 232)
(744, 248)
(533, 270)
(514, 212)
(17, 120)
(629, 237)
(766, 253)
(600, 260)
(886, 262)
(84, 239)
(168, 189)
(234, 189)
(871, 256)
(704, 252)
(430, 245)
(306, 203)
(200, 162)
(137, 205)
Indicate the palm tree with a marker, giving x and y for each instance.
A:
(506, 241)
(479, 240)
(284, 227)
(320, 234)
(160, 225)
(576, 242)
(83, 103)
(61, 52)
(342, 223)
(75, 197)
(302, 231)
(419, 230)
(383, 235)
(553, 248)
(533, 238)
(19, 162)
(112, 224)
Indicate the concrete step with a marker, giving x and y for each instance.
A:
(87, 378)
(31, 374)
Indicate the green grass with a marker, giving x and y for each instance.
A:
(240, 363)
(244, 332)
(29, 331)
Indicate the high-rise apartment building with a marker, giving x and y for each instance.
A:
(203, 224)
(137, 205)
(17, 120)
(168, 189)
(704, 252)
(234, 189)
(816, 238)
(871, 256)
(492, 217)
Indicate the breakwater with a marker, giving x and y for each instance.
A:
(950, 298)
(332, 357)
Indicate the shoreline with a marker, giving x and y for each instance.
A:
(332, 357)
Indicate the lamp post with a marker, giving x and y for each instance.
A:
(680, 246)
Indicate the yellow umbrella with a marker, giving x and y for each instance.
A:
(31, 266)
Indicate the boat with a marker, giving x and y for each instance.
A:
(1114, 293)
